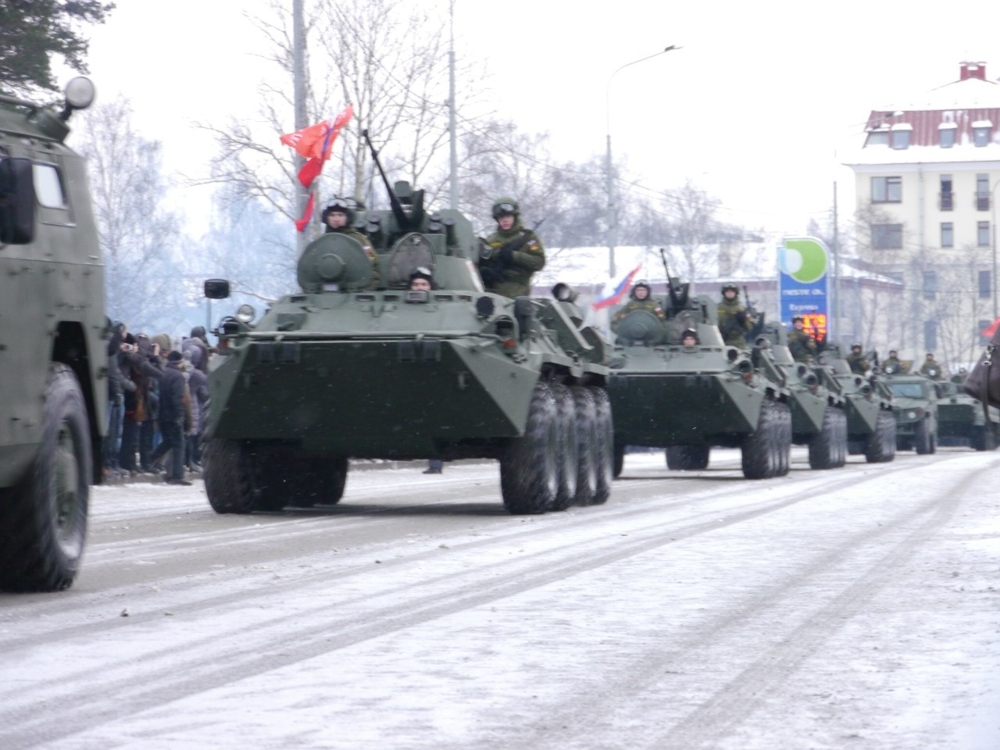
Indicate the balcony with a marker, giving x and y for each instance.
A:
(982, 201)
(946, 201)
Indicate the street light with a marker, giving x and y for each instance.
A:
(993, 228)
(612, 217)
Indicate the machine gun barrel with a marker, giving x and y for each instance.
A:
(394, 203)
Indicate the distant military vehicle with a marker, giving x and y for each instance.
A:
(871, 423)
(338, 370)
(53, 390)
(963, 421)
(914, 402)
(689, 399)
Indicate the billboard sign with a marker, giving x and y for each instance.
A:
(803, 282)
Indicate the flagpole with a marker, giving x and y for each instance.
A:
(299, 80)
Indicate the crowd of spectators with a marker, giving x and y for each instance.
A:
(157, 404)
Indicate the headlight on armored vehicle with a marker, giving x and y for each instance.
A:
(245, 313)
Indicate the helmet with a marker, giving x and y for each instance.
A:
(638, 284)
(856, 345)
(730, 287)
(339, 205)
(505, 207)
(422, 272)
(798, 319)
(689, 333)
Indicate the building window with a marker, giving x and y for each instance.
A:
(985, 288)
(877, 138)
(947, 234)
(887, 236)
(946, 134)
(887, 189)
(930, 335)
(982, 192)
(947, 197)
(930, 284)
(983, 234)
(900, 139)
(981, 136)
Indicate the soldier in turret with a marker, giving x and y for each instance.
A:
(802, 346)
(892, 363)
(930, 368)
(338, 217)
(640, 300)
(515, 253)
(960, 376)
(857, 361)
(734, 320)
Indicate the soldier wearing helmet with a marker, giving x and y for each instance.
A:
(338, 217)
(641, 299)
(802, 346)
(513, 253)
(734, 320)
(859, 365)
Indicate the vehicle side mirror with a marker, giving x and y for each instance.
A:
(216, 288)
(17, 202)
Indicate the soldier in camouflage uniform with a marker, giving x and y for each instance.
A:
(931, 369)
(960, 376)
(734, 320)
(892, 364)
(802, 346)
(857, 361)
(640, 300)
(515, 253)
(338, 217)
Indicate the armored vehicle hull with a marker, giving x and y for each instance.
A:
(915, 408)
(53, 393)
(344, 371)
(963, 422)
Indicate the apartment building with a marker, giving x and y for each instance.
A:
(927, 177)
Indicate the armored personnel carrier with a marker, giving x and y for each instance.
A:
(963, 421)
(915, 404)
(815, 398)
(688, 399)
(338, 370)
(53, 389)
(871, 422)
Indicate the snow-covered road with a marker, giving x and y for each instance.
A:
(854, 608)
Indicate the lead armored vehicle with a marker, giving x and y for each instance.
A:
(915, 404)
(688, 399)
(963, 421)
(871, 422)
(339, 370)
(53, 361)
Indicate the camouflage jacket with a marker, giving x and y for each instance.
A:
(802, 345)
(858, 363)
(931, 369)
(734, 323)
(892, 362)
(366, 245)
(512, 278)
(638, 304)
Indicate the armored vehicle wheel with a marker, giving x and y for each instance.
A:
(983, 438)
(606, 445)
(322, 482)
(783, 445)
(687, 457)
(825, 449)
(922, 438)
(228, 476)
(529, 471)
(568, 461)
(761, 448)
(619, 458)
(43, 523)
(586, 446)
(880, 445)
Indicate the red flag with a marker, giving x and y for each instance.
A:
(310, 205)
(316, 141)
(988, 333)
(310, 171)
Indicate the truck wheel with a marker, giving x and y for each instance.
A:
(529, 472)
(322, 482)
(876, 443)
(890, 437)
(760, 449)
(823, 448)
(43, 518)
(567, 457)
(586, 445)
(619, 458)
(606, 445)
(922, 438)
(783, 446)
(228, 474)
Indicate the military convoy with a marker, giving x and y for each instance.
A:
(871, 422)
(915, 405)
(963, 421)
(338, 370)
(53, 396)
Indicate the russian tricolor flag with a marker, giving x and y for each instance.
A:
(615, 295)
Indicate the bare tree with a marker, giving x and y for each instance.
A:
(138, 234)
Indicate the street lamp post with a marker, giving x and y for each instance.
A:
(612, 215)
(993, 229)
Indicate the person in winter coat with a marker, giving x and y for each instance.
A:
(515, 253)
(173, 390)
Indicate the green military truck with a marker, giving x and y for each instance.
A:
(53, 393)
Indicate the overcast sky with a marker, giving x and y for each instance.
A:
(752, 108)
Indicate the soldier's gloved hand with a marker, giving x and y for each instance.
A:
(741, 318)
(491, 277)
(506, 255)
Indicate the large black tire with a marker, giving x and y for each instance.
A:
(922, 438)
(619, 458)
(983, 438)
(43, 518)
(567, 456)
(760, 449)
(322, 482)
(606, 445)
(827, 448)
(529, 472)
(228, 475)
(687, 457)
(880, 445)
(586, 445)
(783, 442)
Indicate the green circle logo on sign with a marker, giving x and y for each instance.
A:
(805, 260)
